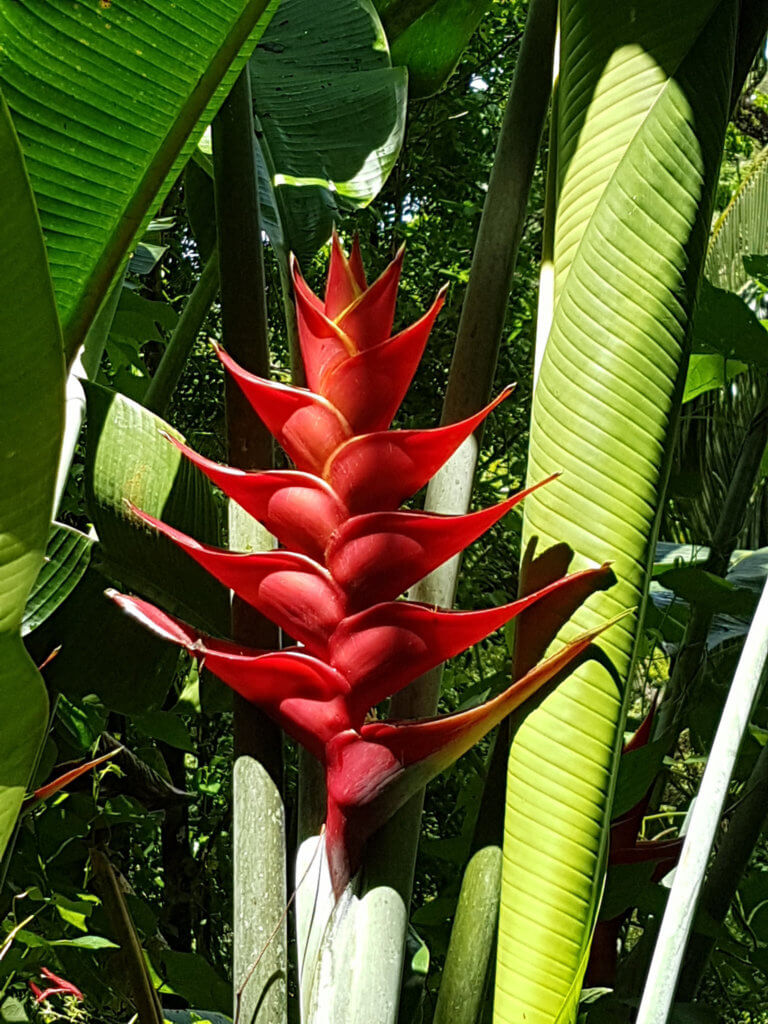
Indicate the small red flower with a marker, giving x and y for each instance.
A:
(58, 987)
(349, 553)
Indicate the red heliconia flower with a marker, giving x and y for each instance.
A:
(348, 554)
(58, 987)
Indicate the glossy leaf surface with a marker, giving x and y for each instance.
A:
(642, 110)
(106, 99)
(330, 117)
(430, 38)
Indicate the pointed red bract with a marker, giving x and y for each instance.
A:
(371, 774)
(348, 553)
(382, 649)
(304, 695)
(300, 509)
(369, 318)
(290, 589)
(58, 987)
(381, 470)
(343, 287)
(367, 388)
(379, 555)
(65, 779)
(306, 425)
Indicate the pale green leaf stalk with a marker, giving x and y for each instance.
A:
(642, 108)
(464, 978)
(31, 423)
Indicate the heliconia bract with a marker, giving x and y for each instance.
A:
(348, 554)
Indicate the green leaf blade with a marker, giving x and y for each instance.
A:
(105, 98)
(630, 240)
(31, 423)
(67, 557)
(330, 111)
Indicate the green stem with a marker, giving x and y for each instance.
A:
(185, 334)
(463, 984)
(139, 983)
(745, 827)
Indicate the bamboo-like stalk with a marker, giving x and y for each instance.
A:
(666, 963)
(259, 839)
(465, 973)
(745, 827)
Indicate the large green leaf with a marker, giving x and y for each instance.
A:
(641, 117)
(130, 460)
(106, 97)
(330, 117)
(429, 37)
(102, 650)
(31, 421)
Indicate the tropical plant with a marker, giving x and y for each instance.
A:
(635, 137)
(348, 555)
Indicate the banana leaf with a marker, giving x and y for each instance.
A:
(642, 109)
(31, 422)
(429, 37)
(329, 111)
(109, 100)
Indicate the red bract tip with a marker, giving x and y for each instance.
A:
(345, 284)
(381, 470)
(348, 553)
(58, 987)
(300, 509)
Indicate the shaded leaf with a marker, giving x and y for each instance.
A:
(706, 372)
(696, 586)
(128, 459)
(192, 977)
(429, 38)
(31, 423)
(725, 324)
(330, 117)
(66, 559)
